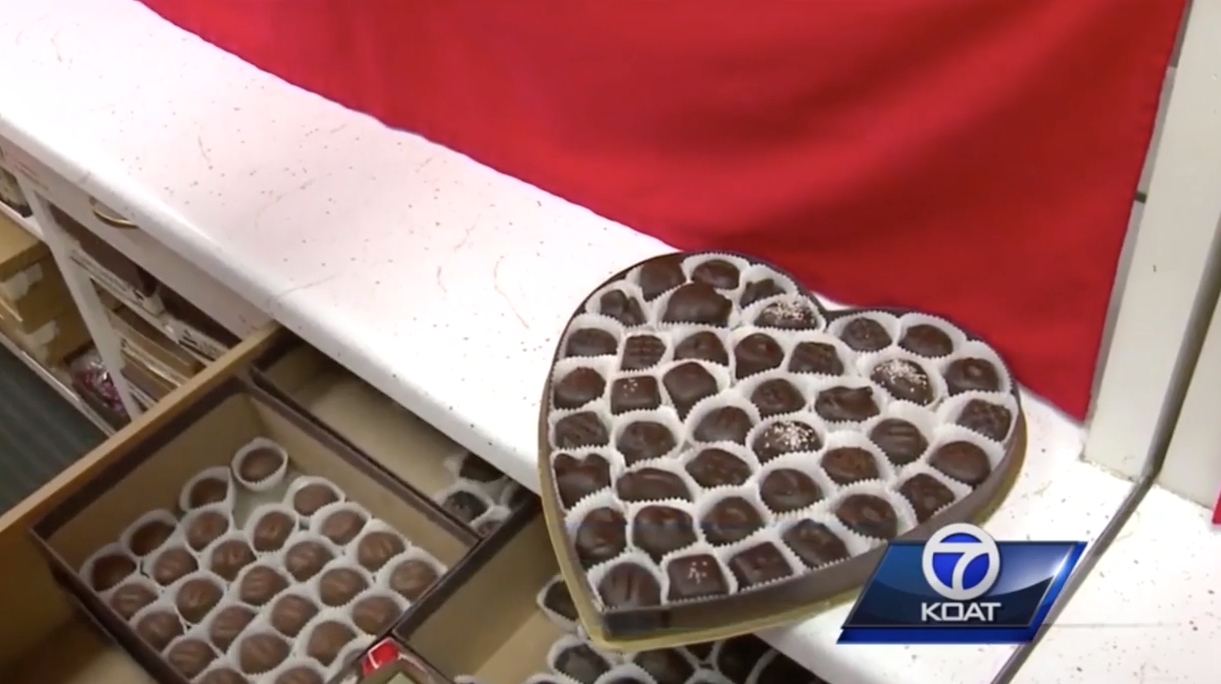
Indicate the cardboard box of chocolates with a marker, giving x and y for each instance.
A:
(239, 543)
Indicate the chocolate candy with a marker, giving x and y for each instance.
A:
(900, 440)
(342, 526)
(575, 479)
(718, 273)
(208, 490)
(658, 530)
(702, 346)
(338, 586)
(158, 628)
(724, 424)
(196, 598)
(305, 558)
(109, 570)
(227, 558)
(697, 303)
(150, 536)
(272, 531)
(963, 461)
(558, 600)
(696, 577)
(376, 548)
(926, 340)
(206, 528)
(311, 497)
(869, 516)
(759, 564)
(865, 335)
(687, 384)
(789, 314)
(736, 657)
(299, 674)
(581, 663)
(759, 290)
(666, 666)
(785, 437)
(990, 420)
(755, 353)
(601, 536)
(190, 656)
(622, 307)
(327, 639)
(926, 495)
(651, 484)
(374, 614)
(714, 467)
(904, 380)
(577, 430)
(591, 342)
(635, 393)
(129, 598)
(972, 375)
(261, 652)
(785, 489)
(231, 621)
(814, 543)
(260, 584)
(465, 506)
(222, 675)
(641, 352)
(845, 404)
(478, 470)
(845, 465)
(819, 358)
(628, 585)
(658, 276)
(777, 396)
(730, 520)
(645, 439)
(291, 612)
(576, 389)
(412, 577)
(260, 464)
(173, 564)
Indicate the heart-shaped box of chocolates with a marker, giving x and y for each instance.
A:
(719, 453)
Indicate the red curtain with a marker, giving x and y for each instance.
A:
(973, 159)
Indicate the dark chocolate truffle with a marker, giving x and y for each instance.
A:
(635, 393)
(261, 652)
(311, 497)
(641, 352)
(730, 520)
(272, 531)
(703, 346)
(465, 506)
(865, 335)
(305, 558)
(338, 586)
(291, 612)
(697, 303)
(478, 470)
(904, 380)
(376, 548)
(208, 490)
(627, 585)
(150, 536)
(785, 489)
(327, 639)
(718, 273)
(926, 340)
(206, 528)
(687, 384)
(190, 656)
(642, 440)
(718, 468)
(868, 515)
(926, 495)
(622, 307)
(900, 440)
(301, 674)
(963, 461)
(785, 437)
(666, 665)
(576, 479)
(374, 614)
(658, 276)
(972, 375)
(990, 420)
(777, 396)
(839, 404)
(695, 577)
(759, 564)
(229, 557)
(581, 663)
(756, 353)
(578, 388)
(412, 577)
(736, 657)
(651, 484)
(196, 598)
(129, 598)
(260, 584)
(259, 464)
(789, 314)
(158, 628)
(590, 342)
(109, 570)
(584, 429)
(223, 675)
(228, 623)
(342, 526)
(819, 358)
(173, 564)
(558, 600)
(601, 536)
(845, 465)
(759, 290)
(814, 543)
(658, 530)
(724, 424)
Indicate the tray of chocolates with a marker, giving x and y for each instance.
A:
(720, 452)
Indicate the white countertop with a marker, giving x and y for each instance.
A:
(429, 275)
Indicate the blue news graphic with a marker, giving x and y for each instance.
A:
(961, 587)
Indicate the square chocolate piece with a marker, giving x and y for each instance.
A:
(696, 577)
(635, 393)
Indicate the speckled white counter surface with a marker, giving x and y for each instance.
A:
(439, 281)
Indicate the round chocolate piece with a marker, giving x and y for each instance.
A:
(687, 384)
(300, 674)
(635, 393)
(581, 663)
(927, 340)
(478, 470)
(622, 307)
(342, 526)
(697, 303)
(658, 276)
(724, 424)
(577, 430)
(865, 335)
(601, 536)
(228, 623)
(972, 375)
(658, 530)
(109, 570)
(591, 342)
(196, 598)
(576, 479)
(223, 675)
(703, 346)
(777, 396)
(338, 586)
(374, 614)
(327, 639)
(736, 657)
(785, 437)
(926, 494)
(718, 468)
(759, 290)
(465, 506)
(963, 461)
(260, 584)
(209, 490)
(376, 548)
(206, 528)
(784, 489)
(412, 577)
(814, 543)
(819, 358)
(730, 520)
(229, 557)
(755, 353)
(869, 516)
(900, 440)
(261, 652)
(172, 564)
(666, 665)
(311, 497)
(990, 420)
(558, 600)
(641, 352)
(759, 564)
(718, 273)
(158, 628)
(642, 440)
(305, 558)
(272, 531)
(845, 465)
(290, 613)
(696, 577)
(904, 380)
(627, 585)
(190, 656)
(129, 598)
(576, 389)
(150, 536)
(843, 404)
(789, 314)
(260, 464)
(651, 484)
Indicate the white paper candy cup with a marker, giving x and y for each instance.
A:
(464, 501)
(272, 480)
(953, 410)
(340, 567)
(259, 629)
(586, 439)
(159, 606)
(631, 671)
(219, 474)
(591, 322)
(174, 591)
(223, 641)
(911, 320)
(303, 482)
(327, 660)
(150, 564)
(130, 538)
(603, 365)
(888, 322)
(266, 545)
(318, 523)
(364, 622)
(385, 577)
(132, 595)
(556, 583)
(216, 511)
(114, 550)
(372, 563)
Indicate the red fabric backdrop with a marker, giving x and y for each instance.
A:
(974, 159)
